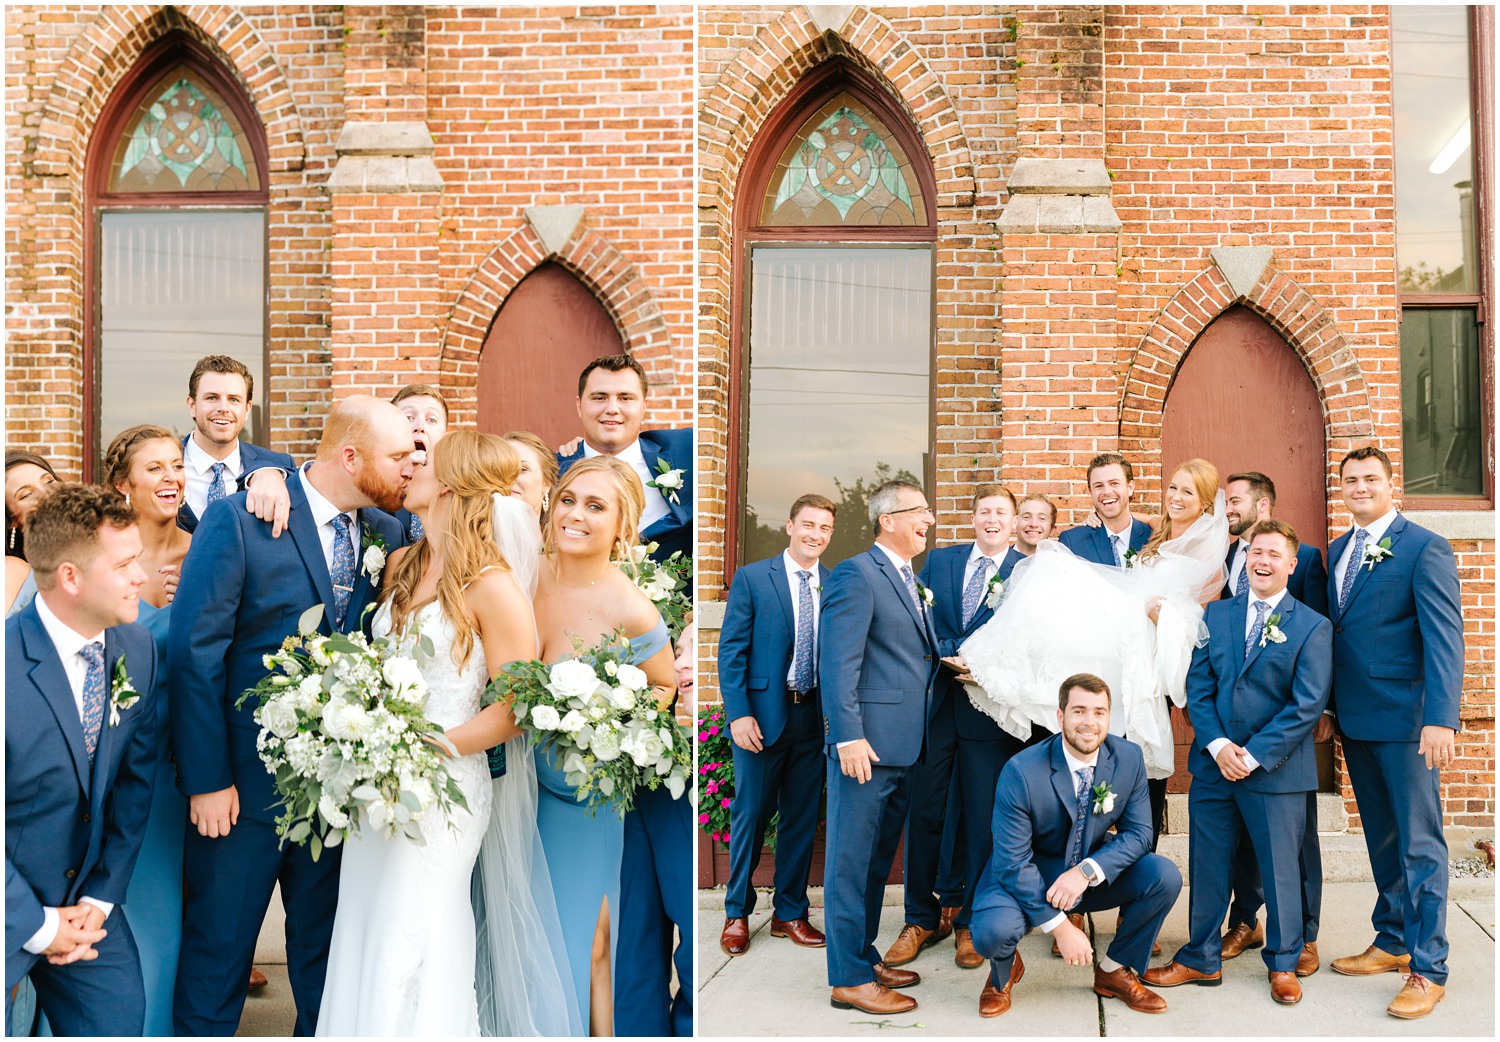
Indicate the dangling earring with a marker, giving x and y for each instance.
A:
(127, 499)
(13, 536)
(546, 499)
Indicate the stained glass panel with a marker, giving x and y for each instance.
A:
(844, 168)
(183, 138)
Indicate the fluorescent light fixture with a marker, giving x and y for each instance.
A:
(1451, 151)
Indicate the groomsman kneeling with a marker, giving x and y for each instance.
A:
(1054, 806)
(1254, 692)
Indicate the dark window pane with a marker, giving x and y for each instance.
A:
(1435, 240)
(175, 286)
(1442, 429)
(840, 383)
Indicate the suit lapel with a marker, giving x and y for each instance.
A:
(1062, 782)
(1104, 772)
(960, 563)
(106, 747)
(677, 513)
(1393, 533)
(784, 594)
(52, 682)
(304, 532)
(899, 585)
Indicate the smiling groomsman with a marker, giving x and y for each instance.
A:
(1111, 483)
(1398, 668)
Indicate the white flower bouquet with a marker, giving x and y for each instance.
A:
(344, 730)
(596, 715)
(668, 583)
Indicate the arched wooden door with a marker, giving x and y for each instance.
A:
(547, 330)
(1242, 400)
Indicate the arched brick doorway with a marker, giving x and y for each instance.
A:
(548, 329)
(1243, 400)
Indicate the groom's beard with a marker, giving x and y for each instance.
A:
(386, 495)
(1081, 743)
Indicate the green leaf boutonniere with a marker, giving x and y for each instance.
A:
(1104, 798)
(668, 480)
(121, 694)
(1270, 632)
(372, 554)
(1377, 552)
(992, 592)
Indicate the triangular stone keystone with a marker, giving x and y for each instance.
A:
(1242, 266)
(829, 18)
(554, 225)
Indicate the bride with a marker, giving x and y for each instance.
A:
(403, 956)
(1136, 628)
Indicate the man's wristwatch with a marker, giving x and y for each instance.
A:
(1088, 871)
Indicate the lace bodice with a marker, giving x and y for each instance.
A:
(452, 693)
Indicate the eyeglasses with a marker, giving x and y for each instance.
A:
(907, 510)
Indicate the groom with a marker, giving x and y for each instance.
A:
(242, 593)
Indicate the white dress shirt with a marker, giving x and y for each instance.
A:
(1250, 602)
(68, 642)
(1375, 530)
(1074, 766)
(635, 456)
(198, 474)
(323, 513)
(1237, 565)
(795, 585)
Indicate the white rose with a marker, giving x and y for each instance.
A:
(374, 562)
(597, 713)
(672, 479)
(622, 698)
(634, 678)
(573, 722)
(545, 718)
(1109, 803)
(606, 743)
(280, 717)
(403, 675)
(612, 668)
(572, 679)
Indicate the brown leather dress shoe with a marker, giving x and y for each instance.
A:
(946, 915)
(798, 931)
(1416, 998)
(1369, 962)
(1076, 918)
(994, 1001)
(1244, 936)
(1124, 985)
(735, 938)
(908, 944)
(965, 957)
(1307, 962)
(890, 977)
(1175, 973)
(1285, 988)
(873, 997)
(257, 980)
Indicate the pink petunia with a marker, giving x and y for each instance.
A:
(713, 730)
(713, 787)
(724, 802)
(703, 819)
(705, 768)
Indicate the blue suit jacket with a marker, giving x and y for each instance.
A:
(1398, 645)
(877, 659)
(1266, 701)
(252, 457)
(1008, 563)
(71, 829)
(756, 644)
(1035, 811)
(674, 531)
(241, 594)
(1308, 581)
(1092, 544)
(944, 573)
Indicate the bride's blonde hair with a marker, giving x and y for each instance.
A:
(473, 467)
(1205, 482)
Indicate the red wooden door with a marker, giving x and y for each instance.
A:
(1242, 400)
(547, 330)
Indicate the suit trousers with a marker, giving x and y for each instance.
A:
(656, 902)
(953, 855)
(1401, 808)
(978, 772)
(864, 829)
(931, 779)
(1249, 894)
(102, 997)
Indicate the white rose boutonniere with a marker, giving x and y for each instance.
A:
(1131, 558)
(926, 595)
(1377, 552)
(668, 480)
(992, 592)
(1270, 632)
(1104, 798)
(372, 555)
(121, 694)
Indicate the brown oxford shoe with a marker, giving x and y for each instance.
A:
(1370, 962)
(799, 932)
(908, 944)
(1307, 962)
(890, 977)
(945, 921)
(257, 980)
(994, 1001)
(1076, 918)
(1124, 985)
(1175, 973)
(735, 939)
(1243, 937)
(1285, 988)
(1416, 998)
(965, 957)
(873, 997)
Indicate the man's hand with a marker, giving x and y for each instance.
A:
(1065, 891)
(171, 575)
(1232, 763)
(215, 812)
(267, 498)
(1436, 745)
(960, 667)
(74, 942)
(1072, 942)
(855, 759)
(1323, 729)
(569, 447)
(745, 730)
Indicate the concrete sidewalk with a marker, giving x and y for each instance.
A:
(777, 988)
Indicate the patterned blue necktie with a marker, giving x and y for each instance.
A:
(911, 586)
(1080, 827)
(1256, 627)
(802, 658)
(342, 569)
(1114, 544)
(216, 486)
(974, 589)
(1356, 558)
(415, 529)
(1243, 582)
(93, 696)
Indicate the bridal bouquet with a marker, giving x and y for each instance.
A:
(669, 583)
(596, 715)
(344, 730)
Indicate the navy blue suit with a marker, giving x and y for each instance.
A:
(74, 829)
(1036, 810)
(242, 593)
(1092, 544)
(877, 659)
(252, 457)
(1398, 665)
(674, 531)
(756, 645)
(1266, 701)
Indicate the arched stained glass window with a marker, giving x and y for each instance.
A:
(182, 137)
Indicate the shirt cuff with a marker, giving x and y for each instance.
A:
(1215, 745)
(1054, 922)
(104, 906)
(1251, 762)
(43, 938)
(1098, 872)
(840, 745)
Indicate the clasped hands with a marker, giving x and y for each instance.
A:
(1232, 763)
(79, 928)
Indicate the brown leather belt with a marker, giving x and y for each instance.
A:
(802, 697)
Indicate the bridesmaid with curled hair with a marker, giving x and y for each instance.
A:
(27, 476)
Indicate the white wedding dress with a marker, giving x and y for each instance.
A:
(1060, 614)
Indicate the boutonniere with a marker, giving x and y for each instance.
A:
(1377, 552)
(1130, 558)
(1270, 632)
(992, 592)
(372, 554)
(924, 593)
(668, 480)
(1104, 798)
(121, 694)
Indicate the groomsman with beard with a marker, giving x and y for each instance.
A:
(768, 679)
(1250, 498)
(877, 659)
(1254, 692)
(80, 757)
(1398, 670)
(965, 581)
